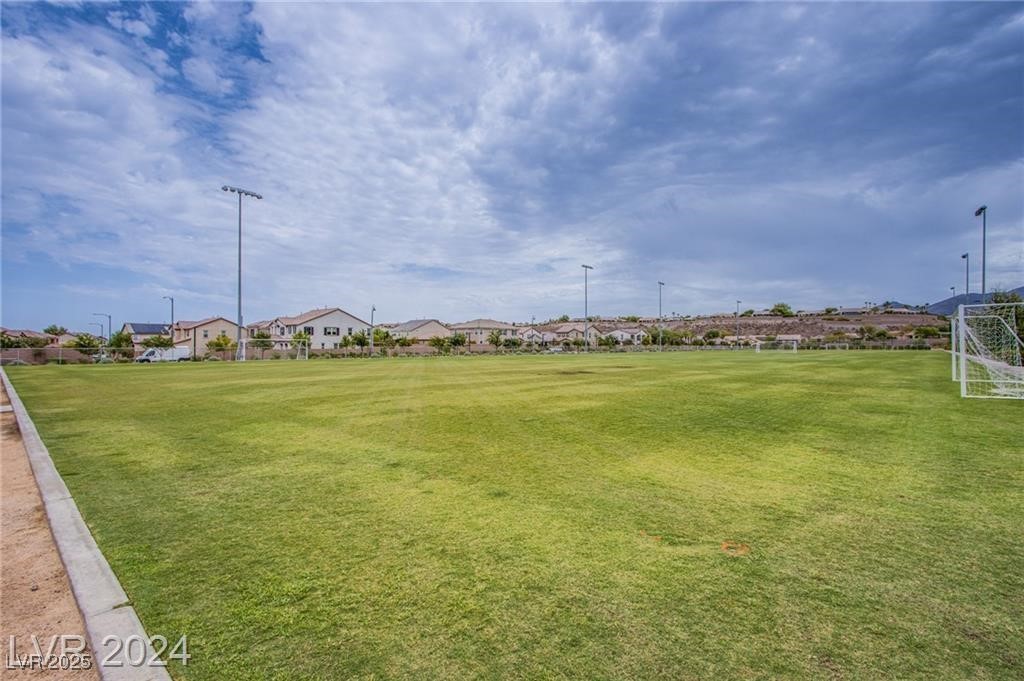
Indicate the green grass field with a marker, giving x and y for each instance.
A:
(555, 517)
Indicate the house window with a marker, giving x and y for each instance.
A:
(308, 330)
(350, 330)
(206, 333)
(331, 331)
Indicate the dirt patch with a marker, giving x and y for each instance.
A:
(35, 596)
(734, 548)
(570, 372)
(835, 672)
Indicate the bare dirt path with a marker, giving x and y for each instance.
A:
(35, 596)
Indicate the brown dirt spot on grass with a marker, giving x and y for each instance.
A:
(734, 548)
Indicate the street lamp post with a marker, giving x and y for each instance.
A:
(110, 330)
(373, 308)
(966, 257)
(99, 324)
(738, 323)
(953, 290)
(170, 329)
(983, 212)
(586, 311)
(240, 352)
(661, 285)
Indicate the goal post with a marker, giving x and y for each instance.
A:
(776, 346)
(988, 350)
(274, 348)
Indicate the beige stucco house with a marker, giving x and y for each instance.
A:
(477, 331)
(195, 335)
(420, 329)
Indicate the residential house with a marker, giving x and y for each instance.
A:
(532, 335)
(478, 331)
(195, 335)
(420, 330)
(324, 326)
(629, 336)
(574, 330)
(141, 331)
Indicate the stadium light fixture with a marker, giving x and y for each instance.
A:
(983, 212)
(661, 325)
(240, 351)
(966, 257)
(586, 311)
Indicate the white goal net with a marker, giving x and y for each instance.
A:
(987, 350)
(274, 348)
(776, 346)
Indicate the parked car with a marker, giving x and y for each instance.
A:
(164, 355)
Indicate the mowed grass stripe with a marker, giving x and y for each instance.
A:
(525, 517)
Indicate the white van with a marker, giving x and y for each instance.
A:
(164, 355)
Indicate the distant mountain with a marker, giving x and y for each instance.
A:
(949, 305)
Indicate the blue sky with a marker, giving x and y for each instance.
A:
(457, 161)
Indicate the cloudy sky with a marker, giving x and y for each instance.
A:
(457, 161)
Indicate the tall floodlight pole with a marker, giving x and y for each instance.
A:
(983, 212)
(99, 324)
(966, 257)
(373, 308)
(240, 352)
(110, 331)
(738, 322)
(661, 285)
(170, 329)
(953, 289)
(586, 311)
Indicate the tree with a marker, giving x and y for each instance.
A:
(221, 344)
(578, 343)
(782, 310)
(440, 344)
(1004, 297)
(607, 341)
(382, 338)
(83, 341)
(54, 330)
(495, 338)
(564, 318)
(747, 313)
(830, 310)
(160, 341)
(360, 339)
(711, 334)
(926, 332)
(404, 342)
(120, 344)
(458, 340)
(632, 318)
(512, 343)
(261, 341)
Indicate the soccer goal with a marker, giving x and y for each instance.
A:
(776, 346)
(987, 350)
(274, 348)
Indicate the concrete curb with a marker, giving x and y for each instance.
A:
(109, 619)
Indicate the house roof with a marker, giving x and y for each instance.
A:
(27, 333)
(146, 327)
(483, 324)
(185, 325)
(413, 324)
(315, 314)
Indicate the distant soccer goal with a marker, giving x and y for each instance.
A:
(835, 346)
(987, 350)
(776, 346)
(267, 348)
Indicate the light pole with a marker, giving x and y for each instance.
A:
(109, 329)
(953, 289)
(373, 308)
(983, 212)
(170, 329)
(240, 352)
(586, 311)
(661, 285)
(966, 257)
(99, 324)
(738, 323)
